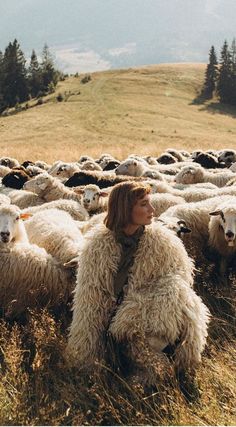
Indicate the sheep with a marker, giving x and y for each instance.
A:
(4, 170)
(196, 217)
(10, 162)
(21, 198)
(50, 188)
(131, 167)
(31, 278)
(161, 202)
(95, 177)
(227, 156)
(90, 165)
(75, 209)
(233, 167)
(111, 165)
(177, 154)
(65, 170)
(83, 159)
(43, 165)
(12, 229)
(93, 199)
(166, 159)
(208, 161)
(222, 234)
(56, 232)
(193, 174)
(15, 178)
(4, 200)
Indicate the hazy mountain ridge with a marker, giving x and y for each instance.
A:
(157, 31)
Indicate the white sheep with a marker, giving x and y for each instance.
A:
(94, 200)
(232, 168)
(4, 170)
(193, 174)
(4, 200)
(161, 202)
(30, 277)
(21, 198)
(55, 231)
(75, 209)
(195, 217)
(50, 188)
(222, 233)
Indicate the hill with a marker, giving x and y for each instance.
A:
(143, 110)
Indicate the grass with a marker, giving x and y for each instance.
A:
(142, 110)
(38, 388)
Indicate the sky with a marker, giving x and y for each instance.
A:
(94, 35)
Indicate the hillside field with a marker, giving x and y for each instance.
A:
(143, 111)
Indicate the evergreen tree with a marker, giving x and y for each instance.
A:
(233, 72)
(14, 84)
(225, 81)
(211, 75)
(49, 74)
(34, 75)
(2, 105)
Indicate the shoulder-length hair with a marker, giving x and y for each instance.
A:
(121, 201)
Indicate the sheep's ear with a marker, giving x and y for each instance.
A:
(25, 216)
(72, 263)
(103, 194)
(79, 190)
(217, 212)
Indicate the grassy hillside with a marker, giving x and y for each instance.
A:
(143, 110)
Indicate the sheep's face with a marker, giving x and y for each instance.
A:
(187, 175)
(227, 221)
(90, 199)
(129, 167)
(227, 157)
(38, 184)
(9, 223)
(62, 171)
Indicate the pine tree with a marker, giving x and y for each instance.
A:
(49, 74)
(233, 71)
(225, 82)
(14, 84)
(2, 104)
(34, 75)
(211, 75)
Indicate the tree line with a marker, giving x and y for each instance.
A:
(220, 78)
(19, 83)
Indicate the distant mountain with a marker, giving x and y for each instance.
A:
(102, 34)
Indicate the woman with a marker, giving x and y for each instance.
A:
(134, 285)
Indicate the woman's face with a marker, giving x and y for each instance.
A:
(142, 212)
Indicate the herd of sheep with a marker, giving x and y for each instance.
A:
(46, 212)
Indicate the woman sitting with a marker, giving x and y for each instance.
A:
(134, 288)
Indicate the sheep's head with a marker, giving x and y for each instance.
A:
(228, 157)
(226, 216)
(39, 183)
(189, 175)
(130, 167)
(175, 224)
(90, 197)
(10, 216)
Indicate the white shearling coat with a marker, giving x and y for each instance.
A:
(159, 304)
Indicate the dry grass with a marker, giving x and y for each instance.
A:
(38, 388)
(143, 110)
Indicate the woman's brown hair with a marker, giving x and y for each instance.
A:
(121, 201)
